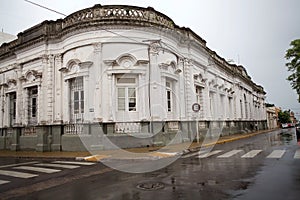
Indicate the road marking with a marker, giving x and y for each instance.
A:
(193, 154)
(297, 154)
(229, 154)
(206, 155)
(251, 154)
(38, 169)
(75, 163)
(57, 165)
(17, 174)
(18, 164)
(276, 154)
(3, 182)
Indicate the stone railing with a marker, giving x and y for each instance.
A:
(73, 129)
(127, 127)
(129, 15)
(122, 12)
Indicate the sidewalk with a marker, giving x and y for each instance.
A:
(133, 153)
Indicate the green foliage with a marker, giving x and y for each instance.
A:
(293, 64)
(284, 117)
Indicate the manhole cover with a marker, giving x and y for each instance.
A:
(150, 186)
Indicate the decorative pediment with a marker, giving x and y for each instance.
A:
(170, 66)
(213, 83)
(199, 77)
(31, 75)
(11, 83)
(125, 61)
(74, 66)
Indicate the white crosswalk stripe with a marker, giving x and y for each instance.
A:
(3, 182)
(193, 154)
(229, 154)
(251, 154)
(276, 154)
(206, 155)
(17, 174)
(74, 163)
(297, 154)
(38, 169)
(57, 165)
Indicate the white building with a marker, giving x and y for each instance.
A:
(129, 69)
(5, 37)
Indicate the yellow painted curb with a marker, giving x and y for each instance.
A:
(233, 139)
(95, 158)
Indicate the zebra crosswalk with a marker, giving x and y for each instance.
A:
(229, 154)
(34, 169)
(275, 154)
(251, 154)
(297, 154)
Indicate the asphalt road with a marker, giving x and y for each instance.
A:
(265, 166)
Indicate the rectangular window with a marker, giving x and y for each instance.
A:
(12, 108)
(126, 93)
(199, 95)
(230, 109)
(77, 99)
(121, 99)
(169, 96)
(33, 107)
(131, 99)
(212, 104)
(32, 104)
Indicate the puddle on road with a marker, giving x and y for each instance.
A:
(285, 137)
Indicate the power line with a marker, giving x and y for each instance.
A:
(45, 8)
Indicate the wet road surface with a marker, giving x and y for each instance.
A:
(266, 166)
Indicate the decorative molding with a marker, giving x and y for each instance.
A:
(64, 70)
(86, 64)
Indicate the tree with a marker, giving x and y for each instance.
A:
(293, 64)
(284, 117)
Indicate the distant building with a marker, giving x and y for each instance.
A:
(272, 117)
(292, 117)
(5, 38)
(128, 70)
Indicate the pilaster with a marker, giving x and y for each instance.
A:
(50, 88)
(58, 89)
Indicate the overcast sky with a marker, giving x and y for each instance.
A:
(254, 33)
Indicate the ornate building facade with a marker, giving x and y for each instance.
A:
(128, 70)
